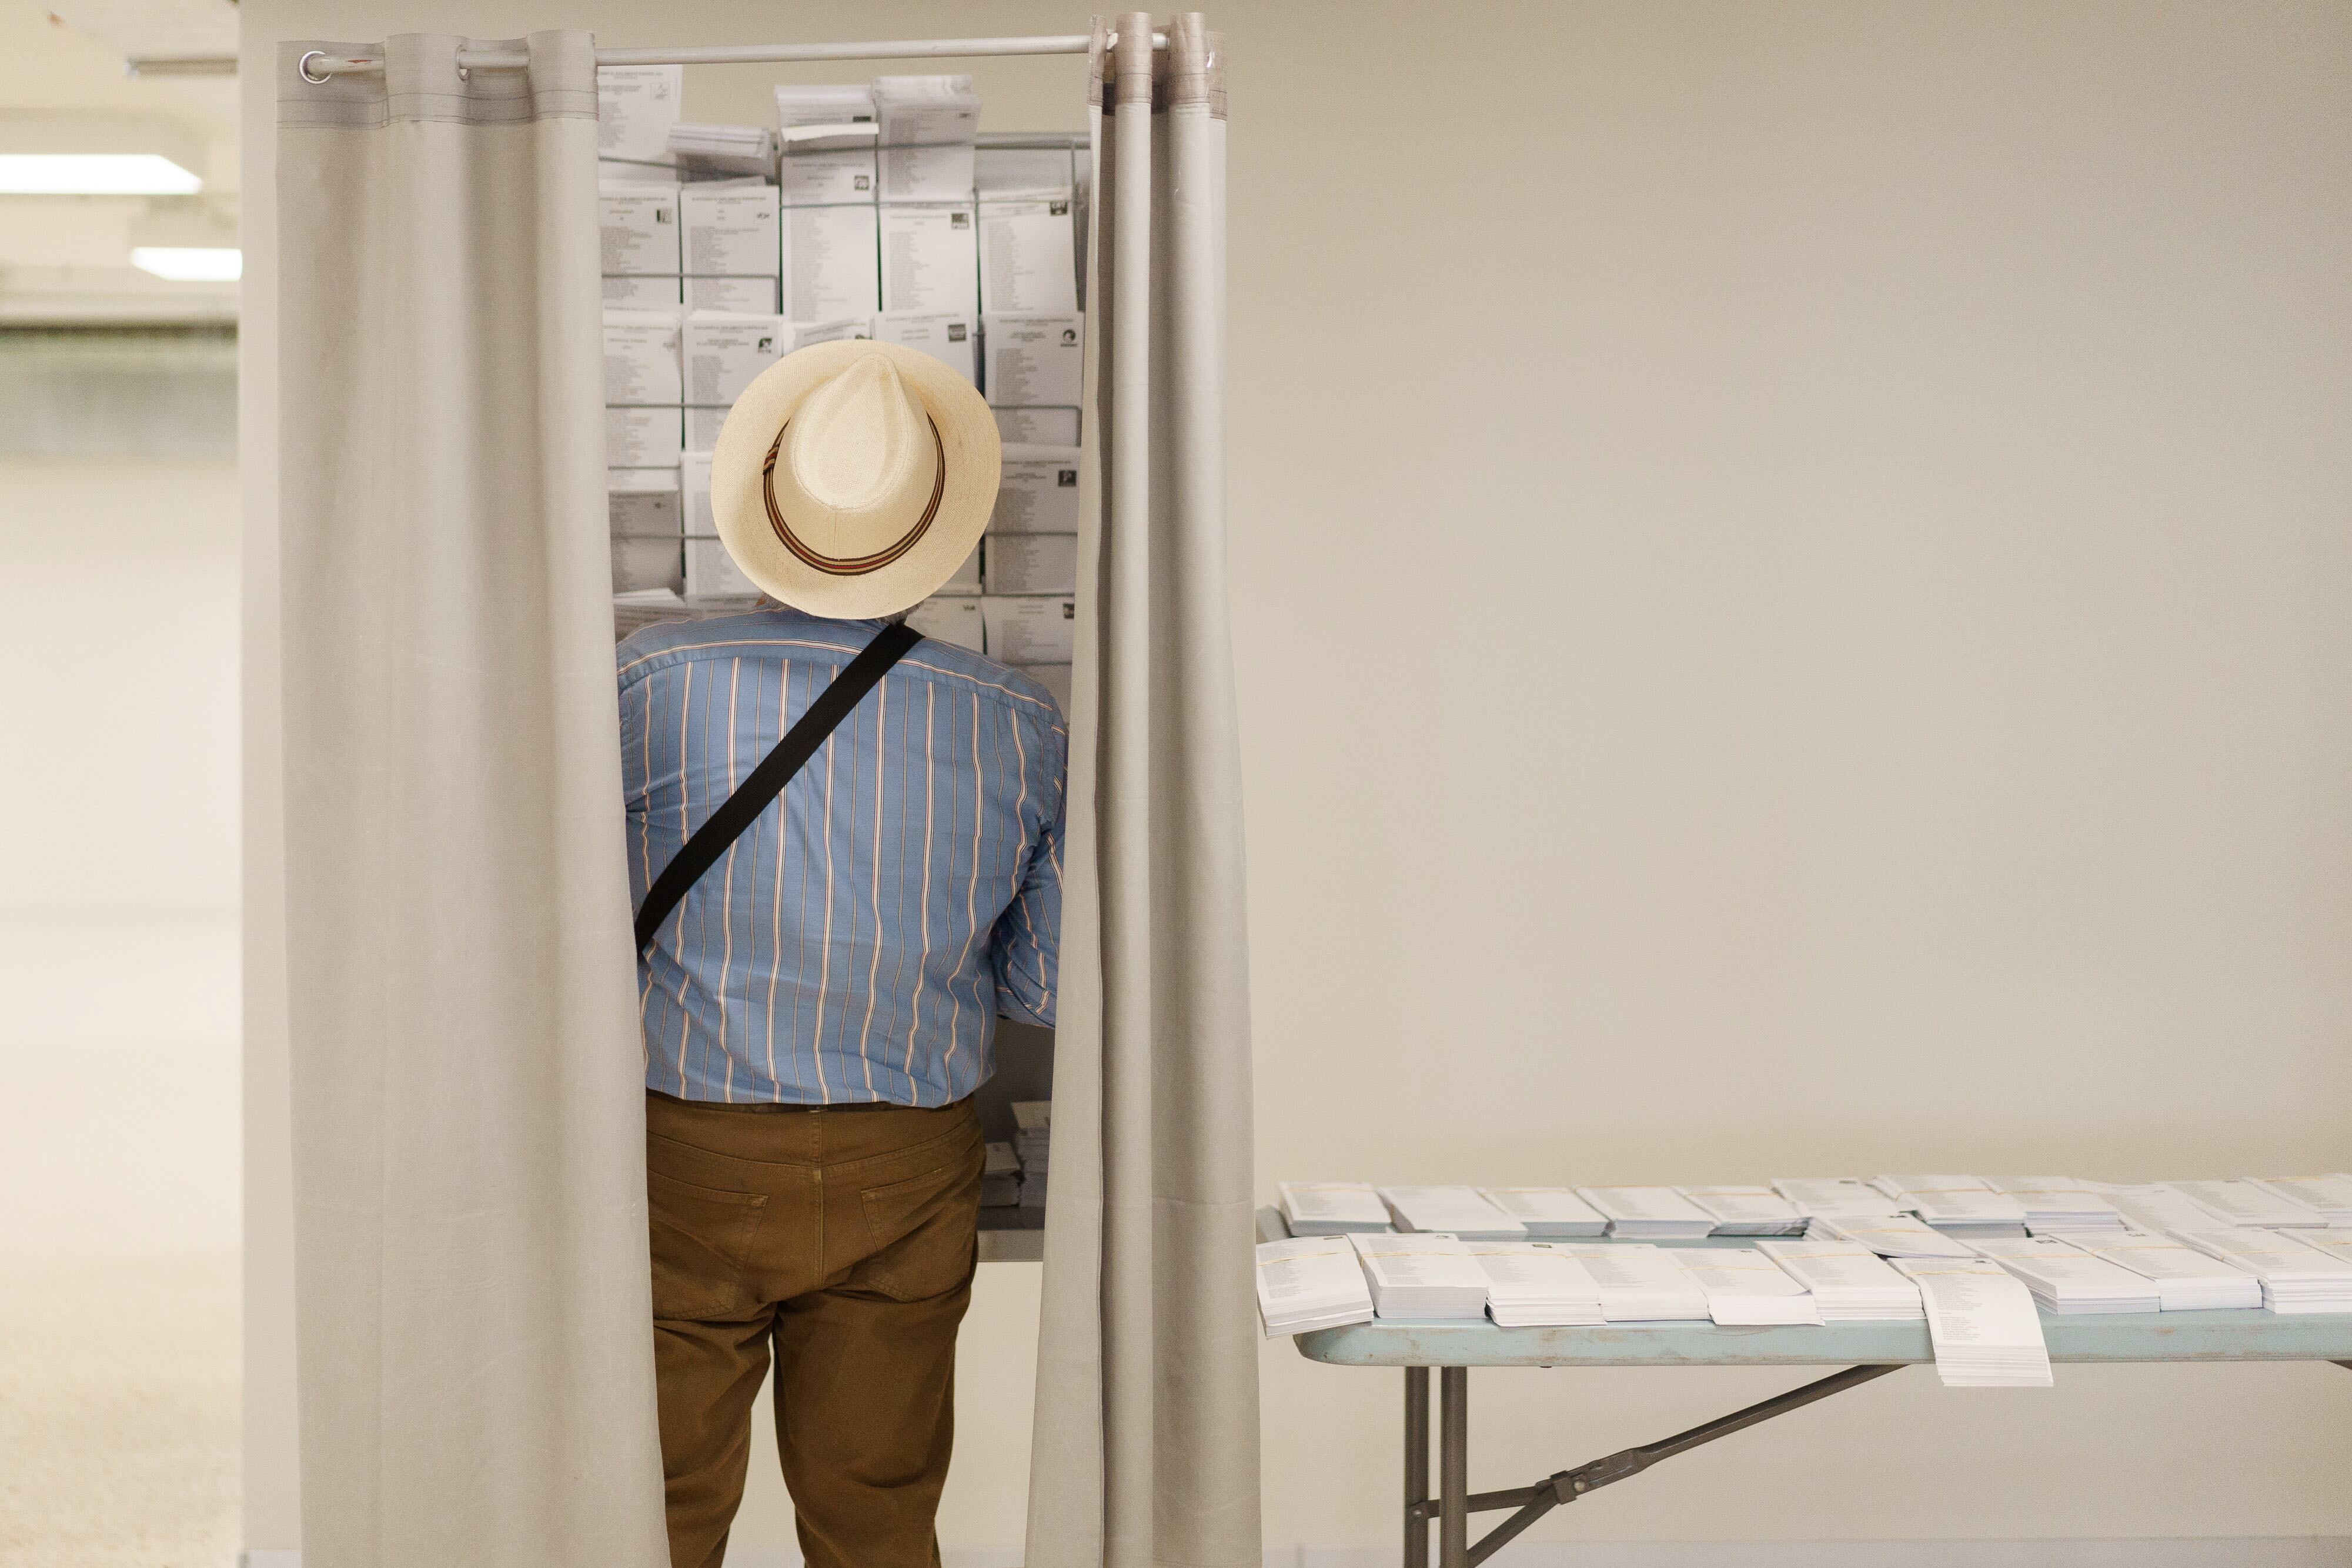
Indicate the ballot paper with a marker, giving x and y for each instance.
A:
(1310, 1282)
(710, 572)
(723, 353)
(1849, 1283)
(1897, 1236)
(633, 612)
(1817, 1196)
(829, 258)
(2328, 1197)
(1547, 1210)
(1456, 1210)
(1332, 1207)
(730, 246)
(1029, 630)
(2059, 1206)
(1024, 171)
(944, 335)
(2186, 1280)
(833, 331)
(1954, 1205)
(2155, 1208)
(648, 437)
(1422, 1276)
(1639, 1282)
(826, 136)
(638, 233)
(949, 618)
(1037, 491)
(635, 107)
(1034, 358)
(929, 259)
(1982, 1323)
(1028, 255)
(1054, 678)
(928, 124)
(641, 361)
(2296, 1276)
(1530, 1285)
(1038, 428)
(1744, 1287)
(2334, 1243)
(2066, 1280)
(1648, 1213)
(1033, 563)
(966, 580)
(643, 507)
(2246, 1203)
(999, 1177)
(722, 151)
(1747, 1210)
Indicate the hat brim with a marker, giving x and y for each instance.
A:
(968, 441)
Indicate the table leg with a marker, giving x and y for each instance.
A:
(1454, 1467)
(1416, 1466)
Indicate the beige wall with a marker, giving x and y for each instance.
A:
(1791, 569)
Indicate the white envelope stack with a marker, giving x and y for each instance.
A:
(2186, 1280)
(2155, 1208)
(1648, 1213)
(2328, 1197)
(1982, 1323)
(1310, 1282)
(1849, 1283)
(2247, 1203)
(2059, 1206)
(1531, 1285)
(1744, 1287)
(1639, 1282)
(1456, 1210)
(1747, 1210)
(1332, 1207)
(1547, 1210)
(2296, 1276)
(1961, 1206)
(1422, 1276)
(2334, 1243)
(1899, 1236)
(2068, 1281)
(1817, 1196)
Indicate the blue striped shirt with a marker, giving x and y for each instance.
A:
(857, 944)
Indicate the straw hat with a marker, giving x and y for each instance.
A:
(853, 478)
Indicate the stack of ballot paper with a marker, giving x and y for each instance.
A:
(826, 135)
(2334, 1243)
(2296, 1276)
(1422, 1276)
(1332, 1207)
(2155, 1208)
(1818, 1197)
(928, 124)
(1547, 1210)
(1311, 1282)
(1033, 1133)
(1849, 1283)
(1897, 1236)
(1000, 1178)
(1648, 1213)
(635, 107)
(1982, 1323)
(1457, 1210)
(2066, 1280)
(722, 151)
(636, 608)
(1747, 1210)
(1639, 1282)
(1531, 1285)
(1743, 1286)
(2328, 1197)
(2186, 1280)
(2058, 1206)
(1956, 1205)
(2246, 1203)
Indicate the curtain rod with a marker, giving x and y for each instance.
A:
(319, 66)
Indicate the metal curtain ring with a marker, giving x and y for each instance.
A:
(303, 65)
(463, 74)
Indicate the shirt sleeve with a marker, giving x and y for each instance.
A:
(1025, 949)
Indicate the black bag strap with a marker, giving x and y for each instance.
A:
(765, 782)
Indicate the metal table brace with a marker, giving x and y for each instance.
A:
(1455, 1505)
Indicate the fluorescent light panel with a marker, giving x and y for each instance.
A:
(94, 174)
(190, 263)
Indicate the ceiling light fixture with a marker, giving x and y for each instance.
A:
(190, 263)
(94, 174)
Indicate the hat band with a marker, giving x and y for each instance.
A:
(850, 565)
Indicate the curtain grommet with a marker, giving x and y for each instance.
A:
(303, 65)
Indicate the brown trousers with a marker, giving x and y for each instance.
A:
(846, 1238)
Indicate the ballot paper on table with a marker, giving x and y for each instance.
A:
(1422, 1275)
(1648, 1213)
(2155, 1207)
(1849, 1283)
(2328, 1197)
(635, 107)
(1639, 1283)
(1028, 254)
(1954, 1205)
(928, 124)
(1894, 1236)
(1030, 630)
(1310, 1282)
(1456, 1210)
(1332, 1207)
(2059, 1206)
(1037, 491)
(729, 245)
(710, 572)
(1034, 563)
(949, 618)
(1547, 1210)
(637, 245)
(1033, 359)
(1531, 1285)
(2296, 1277)
(643, 504)
(2068, 1281)
(723, 353)
(829, 255)
(1982, 1323)
(2186, 1280)
(826, 136)
(929, 258)
(2333, 1242)
(2247, 1203)
(944, 335)
(1746, 1287)
(1817, 1196)
(1056, 427)
(1747, 1210)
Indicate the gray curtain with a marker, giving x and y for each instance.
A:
(1145, 1441)
(474, 1327)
